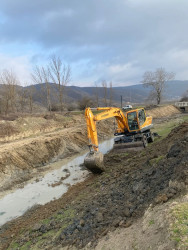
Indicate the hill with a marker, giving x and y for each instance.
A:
(135, 93)
(73, 94)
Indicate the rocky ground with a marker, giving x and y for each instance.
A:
(118, 198)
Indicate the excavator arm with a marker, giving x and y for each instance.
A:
(107, 113)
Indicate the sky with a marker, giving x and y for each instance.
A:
(112, 40)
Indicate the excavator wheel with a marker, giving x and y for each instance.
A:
(151, 138)
(94, 162)
(145, 141)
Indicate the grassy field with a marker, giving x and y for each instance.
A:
(179, 227)
(164, 129)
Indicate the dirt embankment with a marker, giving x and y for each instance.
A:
(116, 198)
(23, 159)
(164, 111)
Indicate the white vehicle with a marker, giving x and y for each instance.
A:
(127, 107)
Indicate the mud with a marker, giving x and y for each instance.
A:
(116, 198)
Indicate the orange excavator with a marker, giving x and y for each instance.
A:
(133, 130)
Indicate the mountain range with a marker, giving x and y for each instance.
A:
(174, 90)
(72, 95)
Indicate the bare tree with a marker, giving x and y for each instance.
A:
(104, 85)
(22, 98)
(9, 81)
(46, 76)
(111, 94)
(42, 75)
(156, 80)
(29, 93)
(31, 100)
(60, 74)
(96, 93)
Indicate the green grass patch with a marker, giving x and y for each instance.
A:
(67, 214)
(156, 160)
(16, 246)
(151, 222)
(124, 154)
(13, 245)
(106, 174)
(26, 246)
(185, 118)
(46, 236)
(179, 226)
(65, 217)
(165, 128)
(46, 221)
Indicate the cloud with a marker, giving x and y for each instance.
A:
(19, 65)
(101, 39)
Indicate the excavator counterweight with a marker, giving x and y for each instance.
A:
(133, 130)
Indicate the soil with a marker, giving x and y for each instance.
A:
(118, 198)
(148, 232)
(163, 111)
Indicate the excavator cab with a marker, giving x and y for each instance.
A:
(132, 119)
(137, 121)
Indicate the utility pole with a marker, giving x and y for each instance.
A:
(121, 101)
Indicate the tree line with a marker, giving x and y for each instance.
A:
(15, 98)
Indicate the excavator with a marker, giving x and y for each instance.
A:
(133, 130)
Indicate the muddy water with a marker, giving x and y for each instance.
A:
(52, 186)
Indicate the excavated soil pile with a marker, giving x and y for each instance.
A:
(165, 111)
(116, 198)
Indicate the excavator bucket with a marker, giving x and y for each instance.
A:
(94, 162)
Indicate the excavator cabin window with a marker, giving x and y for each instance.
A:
(132, 120)
(141, 117)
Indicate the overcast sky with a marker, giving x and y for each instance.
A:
(115, 40)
